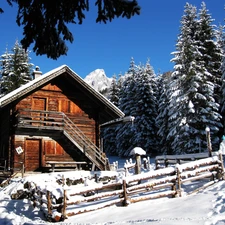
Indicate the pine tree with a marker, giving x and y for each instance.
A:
(125, 132)
(109, 133)
(162, 117)
(145, 104)
(114, 91)
(192, 103)
(138, 99)
(185, 67)
(15, 69)
(5, 69)
(221, 43)
(211, 54)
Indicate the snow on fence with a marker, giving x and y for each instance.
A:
(166, 182)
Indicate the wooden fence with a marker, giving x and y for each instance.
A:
(163, 161)
(166, 182)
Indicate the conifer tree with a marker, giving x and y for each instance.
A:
(210, 48)
(45, 23)
(15, 69)
(114, 91)
(192, 103)
(125, 132)
(221, 42)
(162, 117)
(145, 104)
(211, 54)
(185, 63)
(109, 133)
(218, 91)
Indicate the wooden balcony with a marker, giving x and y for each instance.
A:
(35, 122)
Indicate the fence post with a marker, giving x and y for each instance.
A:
(166, 162)
(138, 164)
(222, 166)
(23, 169)
(209, 145)
(125, 201)
(174, 188)
(178, 181)
(64, 205)
(49, 204)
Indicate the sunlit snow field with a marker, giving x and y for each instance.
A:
(205, 207)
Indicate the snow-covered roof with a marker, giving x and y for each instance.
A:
(43, 79)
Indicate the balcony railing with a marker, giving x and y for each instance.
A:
(50, 120)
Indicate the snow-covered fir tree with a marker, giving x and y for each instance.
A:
(16, 68)
(192, 104)
(125, 132)
(138, 99)
(184, 67)
(114, 91)
(162, 117)
(220, 44)
(145, 104)
(211, 53)
(108, 133)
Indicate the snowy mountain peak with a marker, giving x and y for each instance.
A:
(98, 80)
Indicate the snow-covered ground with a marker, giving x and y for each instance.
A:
(205, 207)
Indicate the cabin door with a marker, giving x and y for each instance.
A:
(32, 154)
(40, 105)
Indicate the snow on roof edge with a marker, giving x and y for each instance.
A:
(30, 83)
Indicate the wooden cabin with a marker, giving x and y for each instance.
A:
(54, 120)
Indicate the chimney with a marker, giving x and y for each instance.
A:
(37, 73)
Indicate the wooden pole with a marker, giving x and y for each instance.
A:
(23, 169)
(64, 205)
(178, 182)
(125, 202)
(138, 164)
(209, 145)
(222, 165)
(49, 203)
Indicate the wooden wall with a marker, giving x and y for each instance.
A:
(51, 98)
(38, 150)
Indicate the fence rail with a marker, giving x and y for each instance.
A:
(170, 182)
(163, 161)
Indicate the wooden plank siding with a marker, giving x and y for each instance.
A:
(19, 141)
(50, 98)
(57, 101)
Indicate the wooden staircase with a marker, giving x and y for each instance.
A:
(51, 121)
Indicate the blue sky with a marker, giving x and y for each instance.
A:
(151, 35)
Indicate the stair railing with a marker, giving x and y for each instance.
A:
(59, 120)
(89, 148)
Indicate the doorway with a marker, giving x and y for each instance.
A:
(39, 104)
(32, 154)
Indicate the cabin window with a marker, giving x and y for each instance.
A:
(65, 106)
(53, 148)
(39, 104)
